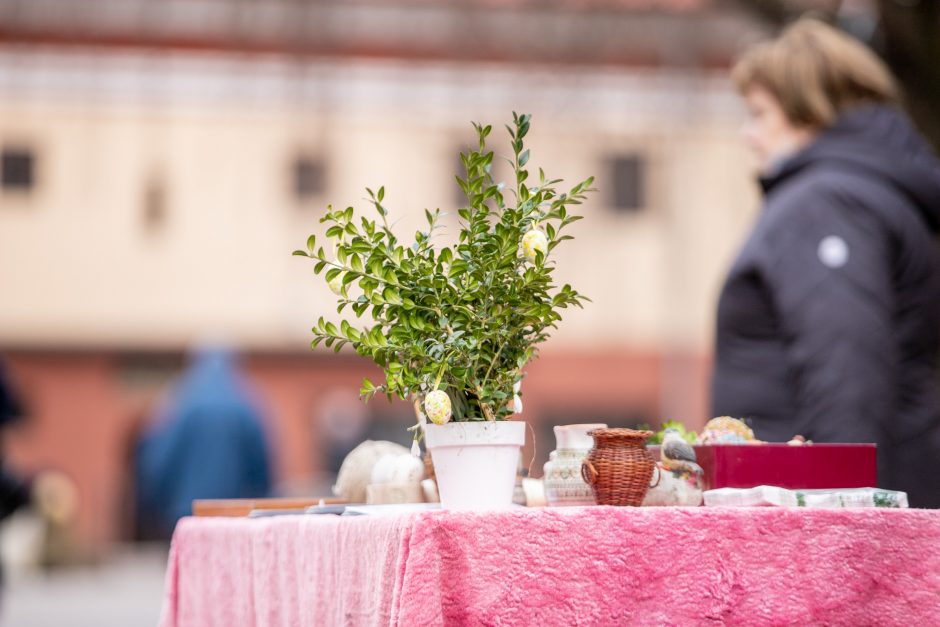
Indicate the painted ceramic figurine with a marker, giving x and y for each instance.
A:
(680, 477)
(677, 454)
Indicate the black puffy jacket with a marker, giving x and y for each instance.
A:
(829, 321)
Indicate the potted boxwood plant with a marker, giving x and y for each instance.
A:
(453, 325)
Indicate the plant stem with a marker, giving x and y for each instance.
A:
(440, 374)
(486, 377)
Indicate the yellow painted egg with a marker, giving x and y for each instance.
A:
(437, 407)
(533, 242)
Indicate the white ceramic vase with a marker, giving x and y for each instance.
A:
(475, 462)
(563, 482)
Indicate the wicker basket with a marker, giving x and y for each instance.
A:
(619, 468)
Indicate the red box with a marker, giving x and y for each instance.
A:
(812, 466)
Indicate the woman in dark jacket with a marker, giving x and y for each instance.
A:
(829, 321)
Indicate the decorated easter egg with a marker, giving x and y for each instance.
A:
(437, 407)
(534, 242)
(726, 430)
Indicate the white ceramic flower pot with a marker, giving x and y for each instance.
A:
(475, 462)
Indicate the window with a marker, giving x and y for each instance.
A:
(629, 186)
(17, 169)
(154, 204)
(309, 174)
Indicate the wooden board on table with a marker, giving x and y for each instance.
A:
(243, 507)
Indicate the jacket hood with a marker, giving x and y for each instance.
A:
(875, 140)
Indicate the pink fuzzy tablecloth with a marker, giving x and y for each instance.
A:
(576, 566)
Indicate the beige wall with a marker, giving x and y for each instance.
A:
(78, 266)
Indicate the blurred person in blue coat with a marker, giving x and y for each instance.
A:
(208, 441)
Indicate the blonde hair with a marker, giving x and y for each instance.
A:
(815, 72)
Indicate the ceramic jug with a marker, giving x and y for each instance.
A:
(563, 482)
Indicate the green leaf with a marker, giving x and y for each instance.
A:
(391, 296)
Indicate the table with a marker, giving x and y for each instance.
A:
(559, 566)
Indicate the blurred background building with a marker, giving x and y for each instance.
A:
(159, 161)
